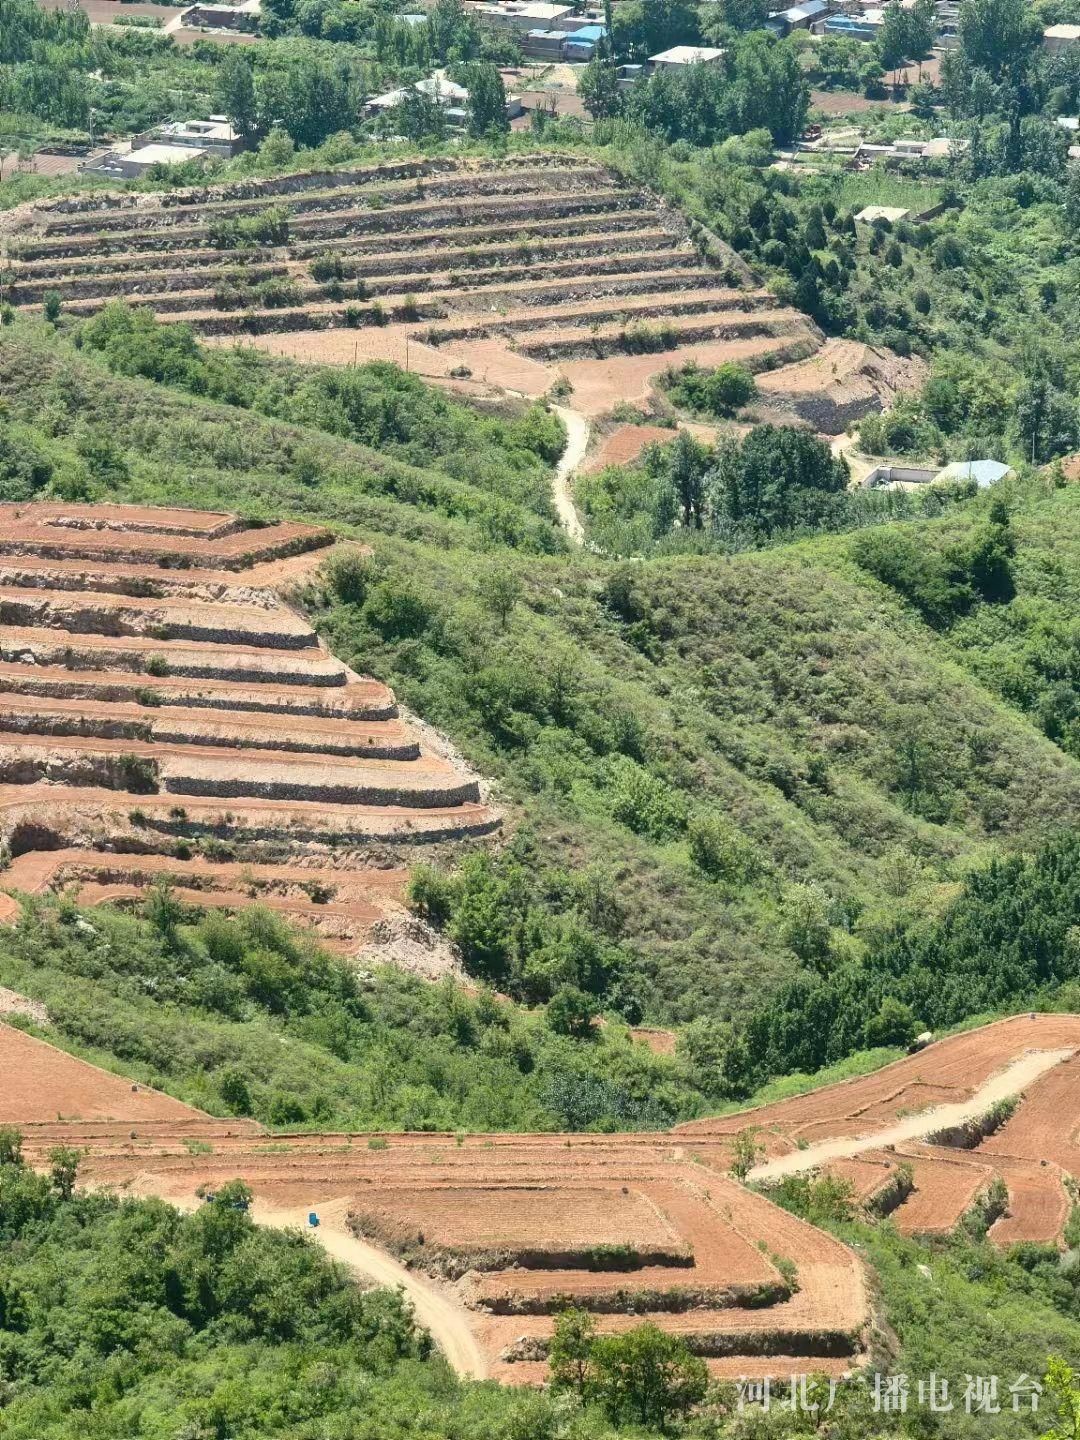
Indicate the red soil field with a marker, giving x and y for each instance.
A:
(39, 1083)
(1031, 1152)
(507, 1216)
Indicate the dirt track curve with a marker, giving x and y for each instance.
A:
(447, 1322)
(577, 444)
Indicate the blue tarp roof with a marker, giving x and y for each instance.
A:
(588, 32)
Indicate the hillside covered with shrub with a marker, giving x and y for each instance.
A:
(704, 757)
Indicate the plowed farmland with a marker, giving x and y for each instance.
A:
(998, 1103)
(507, 272)
(507, 1228)
(503, 1230)
(169, 718)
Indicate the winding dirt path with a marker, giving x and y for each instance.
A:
(1010, 1081)
(447, 1321)
(577, 443)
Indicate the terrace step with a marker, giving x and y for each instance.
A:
(451, 185)
(432, 214)
(709, 296)
(178, 769)
(591, 228)
(258, 586)
(32, 813)
(153, 281)
(197, 294)
(238, 663)
(357, 700)
(339, 905)
(87, 613)
(669, 332)
(64, 519)
(236, 550)
(132, 284)
(714, 1334)
(379, 740)
(653, 292)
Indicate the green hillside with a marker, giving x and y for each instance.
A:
(708, 761)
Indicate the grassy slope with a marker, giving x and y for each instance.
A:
(779, 689)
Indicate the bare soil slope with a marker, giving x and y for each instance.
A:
(168, 718)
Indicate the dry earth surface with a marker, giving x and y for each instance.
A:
(512, 272)
(164, 706)
(491, 1233)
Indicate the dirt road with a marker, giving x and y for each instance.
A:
(577, 442)
(1010, 1081)
(447, 1321)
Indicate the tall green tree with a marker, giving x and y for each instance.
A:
(647, 1377)
(998, 36)
(487, 100)
(236, 90)
(598, 86)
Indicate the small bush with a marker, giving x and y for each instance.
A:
(139, 774)
(643, 801)
(350, 575)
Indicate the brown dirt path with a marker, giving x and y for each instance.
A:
(446, 1319)
(1008, 1082)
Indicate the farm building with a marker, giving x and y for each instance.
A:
(680, 55)
(939, 148)
(544, 44)
(984, 472)
(804, 16)
(1057, 38)
(216, 136)
(628, 75)
(454, 98)
(581, 44)
(890, 476)
(574, 46)
(134, 164)
(851, 27)
(891, 213)
(223, 17)
(521, 16)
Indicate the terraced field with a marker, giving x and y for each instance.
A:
(167, 717)
(509, 272)
(501, 1231)
(505, 1229)
(927, 1136)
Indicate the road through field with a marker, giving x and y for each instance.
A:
(447, 1322)
(577, 442)
(1008, 1082)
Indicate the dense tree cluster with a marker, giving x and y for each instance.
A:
(777, 481)
(1007, 941)
(758, 84)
